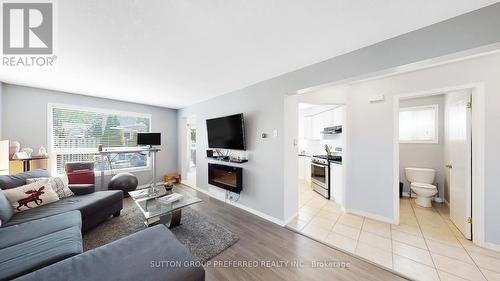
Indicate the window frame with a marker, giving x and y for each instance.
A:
(435, 107)
(52, 152)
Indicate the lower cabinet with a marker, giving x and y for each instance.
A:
(304, 168)
(307, 169)
(336, 183)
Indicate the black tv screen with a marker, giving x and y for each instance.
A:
(226, 132)
(148, 139)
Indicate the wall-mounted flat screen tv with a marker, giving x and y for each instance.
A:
(226, 132)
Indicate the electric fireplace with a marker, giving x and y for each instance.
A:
(226, 177)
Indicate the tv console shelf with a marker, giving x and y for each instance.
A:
(227, 160)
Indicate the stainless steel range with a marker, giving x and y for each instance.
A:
(320, 173)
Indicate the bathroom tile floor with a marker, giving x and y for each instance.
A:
(424, 246)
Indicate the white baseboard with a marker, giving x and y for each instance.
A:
(291, 218)
(246, 208)
(491, 246)
(258, 213)
(372, 216)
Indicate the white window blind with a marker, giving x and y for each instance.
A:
(418, 124)
(76, 132)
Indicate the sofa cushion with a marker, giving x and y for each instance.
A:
(59, 184)
(135, 257)
(6, 210)
(23, 232)
(39, 252)
(88, 205)
(27, 197)
(16, 180)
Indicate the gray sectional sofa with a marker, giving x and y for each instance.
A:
(95, 207)
(45, 243)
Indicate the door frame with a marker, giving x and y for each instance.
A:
(478, 136)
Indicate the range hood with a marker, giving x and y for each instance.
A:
(332, 130)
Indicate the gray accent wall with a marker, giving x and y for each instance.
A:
(24, 118)
(262, 106)
(370, 178)
(425, 155)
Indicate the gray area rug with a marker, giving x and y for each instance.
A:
(204, 238)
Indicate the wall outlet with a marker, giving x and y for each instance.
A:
(275, 133)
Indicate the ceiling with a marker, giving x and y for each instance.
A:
(177, 53)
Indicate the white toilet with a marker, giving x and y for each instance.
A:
(421, 182)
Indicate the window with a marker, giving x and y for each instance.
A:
(75, 133)
(418, 124)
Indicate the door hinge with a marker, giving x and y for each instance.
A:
(469, 104)
(469, 220)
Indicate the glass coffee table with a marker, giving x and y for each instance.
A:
(156, 211)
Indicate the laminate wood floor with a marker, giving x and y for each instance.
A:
(262, 241)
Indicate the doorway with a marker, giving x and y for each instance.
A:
(190, 153)
(435, 159)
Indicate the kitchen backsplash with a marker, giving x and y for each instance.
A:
(314, 147)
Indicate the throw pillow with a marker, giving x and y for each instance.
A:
(59, 185)
(31, 195)
(6, 210)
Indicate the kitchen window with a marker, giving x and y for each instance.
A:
(75, 132)
(419, 124)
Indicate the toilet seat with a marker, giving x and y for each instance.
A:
(423, 185)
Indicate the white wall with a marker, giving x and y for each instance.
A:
(370, 176)
(24, 118)
(425, 155)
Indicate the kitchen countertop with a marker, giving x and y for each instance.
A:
(305, 155)
(336, 162)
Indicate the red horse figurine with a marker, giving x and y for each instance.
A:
(34, 196)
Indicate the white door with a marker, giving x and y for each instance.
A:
(458, 157)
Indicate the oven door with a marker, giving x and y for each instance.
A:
(319, 175)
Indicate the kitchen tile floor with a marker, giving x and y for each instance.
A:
(424, 246)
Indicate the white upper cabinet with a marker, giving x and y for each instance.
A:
(312, 125)
(329, 118)
(338, 116)
(316, 126)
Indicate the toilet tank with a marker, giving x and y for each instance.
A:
(422, 175)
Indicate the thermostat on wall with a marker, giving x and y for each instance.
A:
(376, 98)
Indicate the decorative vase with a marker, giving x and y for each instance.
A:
(28, 150)
(14, 148)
